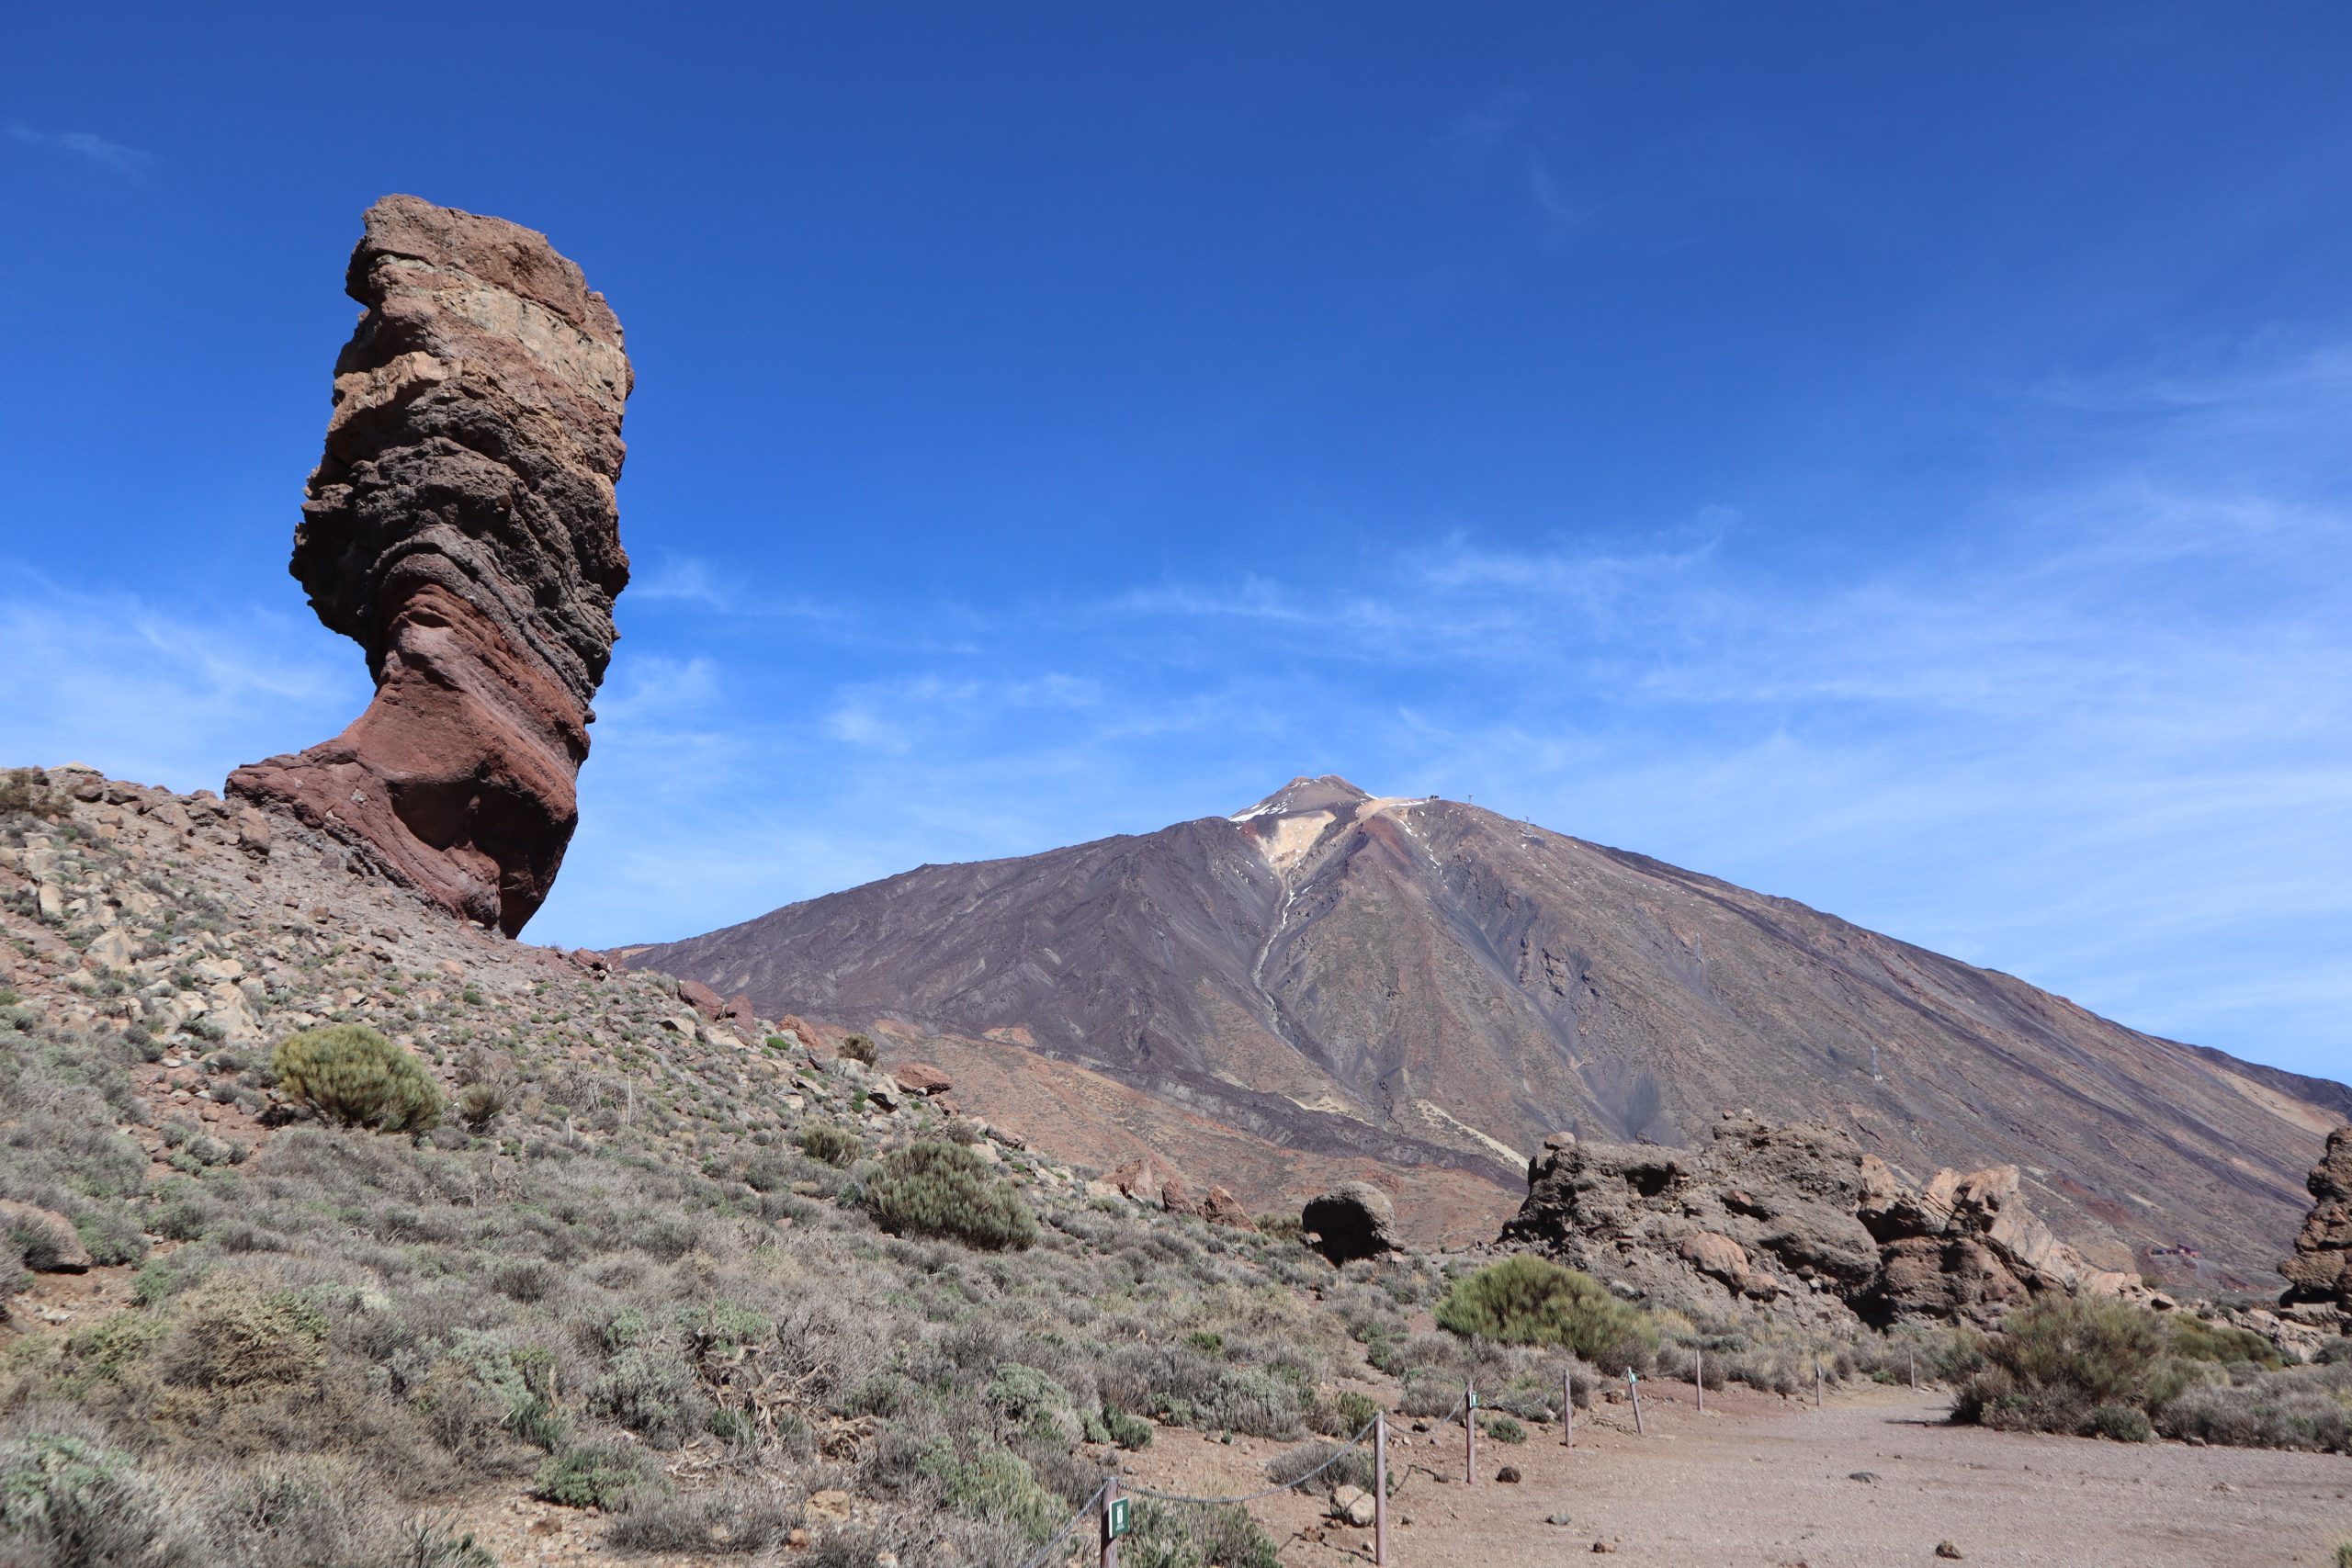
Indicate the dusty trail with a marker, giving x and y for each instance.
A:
(1757, 1484)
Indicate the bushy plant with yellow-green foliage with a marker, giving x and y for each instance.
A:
(946, 1190)
(349, 1073)
(1527, 1300)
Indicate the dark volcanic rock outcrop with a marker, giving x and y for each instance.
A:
(462, 528)
(2321, 1270)
(1431, 985)
(1798, 1217)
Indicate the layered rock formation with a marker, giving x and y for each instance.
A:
(462, 528)
(1797, 1218)
(2320, 1271)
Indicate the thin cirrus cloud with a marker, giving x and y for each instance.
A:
(2095, 730)
(89, 148)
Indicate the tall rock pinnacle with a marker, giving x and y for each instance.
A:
(462, 528)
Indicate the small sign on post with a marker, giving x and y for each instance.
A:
(1469, 1433)
(1633, 1388)
(1114, 1522)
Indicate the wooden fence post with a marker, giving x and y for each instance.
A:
(1380, 1489)
(1699, 1376)
(1568, 1408)
(1469, 1433)
(1633, 1387)
(1816, 1382)
(1110, 1507)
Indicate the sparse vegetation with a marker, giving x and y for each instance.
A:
(946, 1190)
(2113, 1370)
(1527, 1300)
(351, 1073)
(830, 1142)
(860, 1048)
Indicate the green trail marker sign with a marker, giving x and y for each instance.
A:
(1114, 1519)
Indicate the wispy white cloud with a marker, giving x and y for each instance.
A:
(160, 693)
(82, 144)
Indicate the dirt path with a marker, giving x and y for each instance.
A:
(1760, 1483)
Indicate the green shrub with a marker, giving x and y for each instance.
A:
(596, 1475)
(860, 1048)
(350, 1073)
(1111, 1426)
(831, 1143)
(1502, 1428)
(30, 791)
(2122, 1423)
(478, 1105)
(941, 1190)
(1184, 1535)
(2200, 1341)
(75, 1505)
(233, 1334)
(995, 1486)
(1527, 1300)
(1353, 1411)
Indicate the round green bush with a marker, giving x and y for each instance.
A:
(1532, 1301)
(831, 1143)
(2122, 1423)
(349, 1073)
(944, 1190)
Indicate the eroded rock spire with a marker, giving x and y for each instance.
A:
(462, 528)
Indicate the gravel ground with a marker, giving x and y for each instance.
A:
(1757, 1482)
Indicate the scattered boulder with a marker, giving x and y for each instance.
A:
(1222, 1207)
(46, 1238)
(1355, 1220)
(922, 1077)
(2321, 1270)
(1353, 1505)
(702, 999)
(1800, 1217)
(462, 527)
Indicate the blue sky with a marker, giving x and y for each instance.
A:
(1895, 461)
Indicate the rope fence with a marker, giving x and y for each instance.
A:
(1106, 1495)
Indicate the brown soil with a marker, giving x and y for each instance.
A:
(1758, 1481)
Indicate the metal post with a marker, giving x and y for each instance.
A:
(1469, 1433)
(1699, 1376)
(1110, 1541)
(1633, 1387)
(1816, 1382)
(1915, 1371)
(1380, 1489)
(1567, 1407)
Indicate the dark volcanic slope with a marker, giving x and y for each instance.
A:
(1431, 983)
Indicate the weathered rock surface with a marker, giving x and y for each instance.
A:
(1154, 1182)
(1353, 1221)
(462, 528)
(1797, 1217)
(2320, 1271)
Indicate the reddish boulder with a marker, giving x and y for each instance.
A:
(920, 1077)
(462, 528)
(1222, 1207)
(702, 999)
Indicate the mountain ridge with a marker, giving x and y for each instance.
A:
(1432, 984)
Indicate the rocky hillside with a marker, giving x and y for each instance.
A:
(1438, 988)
